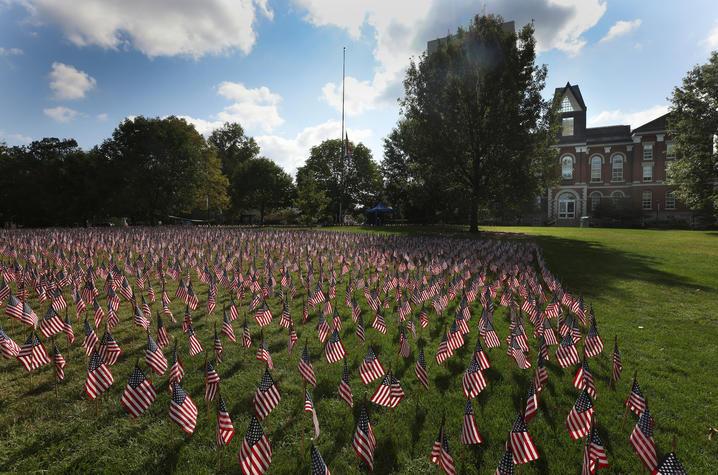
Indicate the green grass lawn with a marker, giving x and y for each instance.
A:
(656, 290)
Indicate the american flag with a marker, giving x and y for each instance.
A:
(292, 338)
(267, 396)
(227, 329)
(187, 321)
(360, 328)
(163, 339)
(487, 332)
(67, 330)
(32, 354)
(404, 350)
(389, 393)
(286, 319)
(617, 364)
(14, 307)
(218, 349)
(642, 441)
(334, 349)
(473, 381)
(8, 347)
(90, 339)
(593, 345)
(566, 353)
(263, 354)
(423, 318)
(246, 335)
(420, 369)
(176, 370)
(670, 465)
(154, 357)
(28, 316)
(522, 447)
(306, 370)
(371, 368)
(183, 410)
(506, 464)
(139, 393)
(364, 442)
(518, 354)
(379, 324)
(531, 403)
(443, 352)
(578, 421)
(469, 430)
(481, 355)
(99, 377)
(345, 391)
(211, 382)
(309, 407)
(318, 465)
(635, 401)
(51, 324)
(109, 349)
(225, 428)
(594, 453)
(263, 315)
(195, 347)
(255, 455)
(440, 453)
(140, 320)
(583, 379)
(59, 362)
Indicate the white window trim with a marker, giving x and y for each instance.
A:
(623, 168)
(600, 168)
(672, 194)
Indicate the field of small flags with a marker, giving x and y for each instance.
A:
(202, 350)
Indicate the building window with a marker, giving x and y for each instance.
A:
(648, 151)
(617, 168)
(595, 199)
(595, 168)
(647, 172)
(567, 167)
(670, 150)
(670, 200)
(567, 126)
(566, 105)
(647, 200)
(566, 206)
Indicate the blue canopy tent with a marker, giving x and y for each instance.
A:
(376, 215)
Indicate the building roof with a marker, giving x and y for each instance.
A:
(656, 125)
(575, 90)
(608, 134)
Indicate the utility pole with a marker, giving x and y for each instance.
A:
(343, 152)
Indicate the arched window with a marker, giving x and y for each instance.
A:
(595, 199)
(566, 205)
(617, 167)
(567, 167)
(596, 168)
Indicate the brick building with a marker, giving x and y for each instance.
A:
(613, 163)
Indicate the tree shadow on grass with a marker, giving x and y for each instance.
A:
(592, 269)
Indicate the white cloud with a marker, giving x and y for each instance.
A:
(67, 82)
(621, 28)
(634, 119)
(290, 153)
(360, 96)
(102, 117)
(14, 138)
(256, 109)
(157, 27)
(10, 51)
(401, 29)
(711, 41)
(61, 114)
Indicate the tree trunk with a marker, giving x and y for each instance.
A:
(473, 216)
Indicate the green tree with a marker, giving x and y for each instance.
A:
(232, 146)
(478, 123)
(354, 180)
(694, 122)
(312, 201)
(161, 167)
(262, 184)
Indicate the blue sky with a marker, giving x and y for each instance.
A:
(76, 68)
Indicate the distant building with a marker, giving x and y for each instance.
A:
(611, 163)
